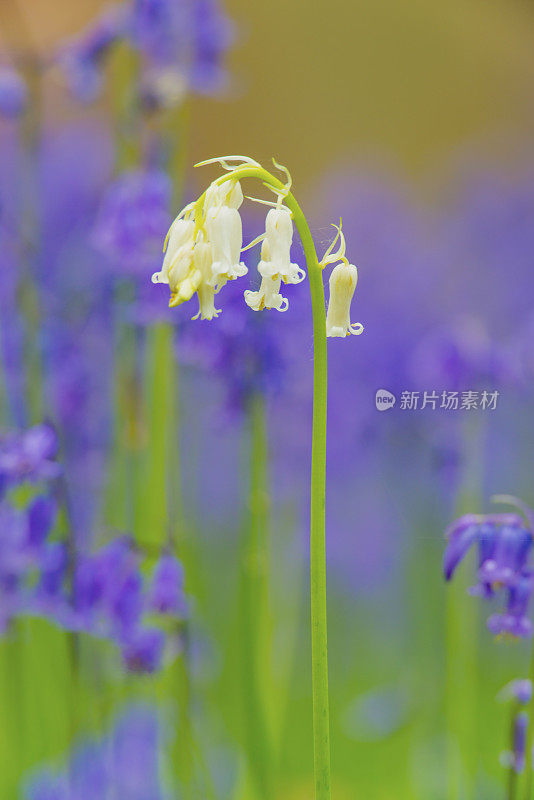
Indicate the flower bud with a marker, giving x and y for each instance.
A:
(343, 280)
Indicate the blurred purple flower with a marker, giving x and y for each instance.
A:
(515, 621)
(13, 93)
(24, 548)
(166, 592)
(520, 740)
(243, 349)
(47, 785)
(132, 222)
(50, 590)
(516, 758)
(212, 36)
(504, 545)
(462, 355)
(183, 43)
(97, 580)
(81, 59)
(89, 771)
(143, 651)
(123, 763)
(503, 541)
(159, 29)
(28, 456)
(135, 754)
(519, 690)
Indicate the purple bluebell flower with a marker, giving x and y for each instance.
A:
(13, 93)
(184, 45)
(13, 562)
(41, 515)
(77, 313)
(47, 785)
(132, 221)
(520, 741)
(504, 545)
(515, 621)
(212, 36)
(81, 60)
(50, 590)
(29, 456)
(519, 690)
(89, 771)
(24, 554)
(143, 651)
(508, 547)
(122, 763)
(135, 748)
(96, 580)
(166, 592)
(159, 29)
(126, 603)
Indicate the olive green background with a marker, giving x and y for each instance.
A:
(400, 83)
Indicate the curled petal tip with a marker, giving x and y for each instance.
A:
(223, 161)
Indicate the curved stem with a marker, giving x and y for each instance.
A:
(321, 724)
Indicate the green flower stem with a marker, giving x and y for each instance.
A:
(321, 724)
(254, 607)
(160, 381)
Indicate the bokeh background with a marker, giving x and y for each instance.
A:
(414, 122)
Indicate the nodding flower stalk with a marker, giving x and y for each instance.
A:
(202, 253)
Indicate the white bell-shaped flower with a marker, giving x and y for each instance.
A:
(206, 293)
(342, 282)
(178, 246)
(225, 234)
(184, 278)
(279, 236)
(268, 295)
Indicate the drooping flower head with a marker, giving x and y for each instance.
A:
(204, 244)
(342, 282)
(504, 543)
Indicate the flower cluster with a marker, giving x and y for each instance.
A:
(504, 543)
(124, 763)
(204, 244)
(103, 593)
